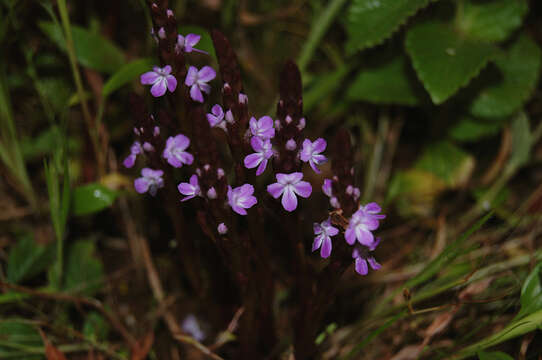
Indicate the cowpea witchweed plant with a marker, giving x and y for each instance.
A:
(245, 174)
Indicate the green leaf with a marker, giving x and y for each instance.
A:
(519, 69)
(388, 82)
(495, 355)
(324, 85)
(490, 20)
(17, 335)
(95, 327)
(445, 60)
(531, 293)
(92, 50)
(91, 198)
(45, 143)
(205, 43)
(84, 271)
(126, 74)
(370, 22)
(470, 129)
(27, 259)
(448, 162)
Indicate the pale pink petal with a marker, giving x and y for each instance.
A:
(159, 88)
(149, 78)
(303, 189)
(361, 266)
(171, 83)
(196, 94)
(191, 76)
(206, 74)
(326, 247)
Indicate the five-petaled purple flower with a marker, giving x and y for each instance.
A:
(311, 153)
(216, 117)
(187, 43)
(191, 189)
(288, 185)
(322, 241)
(362, 256)
(175, 153)
(160, 79)
(363, 221)
(262, 127)
(263, 152)
(150, 180)
(241, 198)
(197, 80)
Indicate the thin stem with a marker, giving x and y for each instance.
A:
(319, 28)
(70, 48)
(376, 159)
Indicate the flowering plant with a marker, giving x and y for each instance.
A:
(233, 206)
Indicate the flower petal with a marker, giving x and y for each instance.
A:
(171, 83)
(361, 266)
(206, 74)
(275, 189)
(252, 160)
(326, 248)
(141, 185)
(262, 167)
(159, 88)
(303, 189)
(191, 76)
(196, 94)
(319, 145)
(149, 78)
(289, 200)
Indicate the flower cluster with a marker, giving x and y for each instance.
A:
(254, 142)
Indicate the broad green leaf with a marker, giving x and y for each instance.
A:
(27, 259)
(324, 85)
(491, 20)
(519, 69)
(84, 271)
(16, 335)
(92, 50)
(471, 129)
(95, 327)
(495, 355)
(388, 82)
(126, 74)
(445, 60)
(205, 43)
(531, 293)
(369, 22)
(448, 162)
(91, 198)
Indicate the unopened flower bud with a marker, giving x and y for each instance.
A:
(222, 228)
(220, 173)
(302, 123)
(206, 167)
(156, 131)
(211, 193)
(291, 145)
(169, 13)
(162, 33)
(349, 189)
(229, 117)
(148, 147)
(243, 98)
(357, 194)
(277, 124)
(333, 201)
(288, 119)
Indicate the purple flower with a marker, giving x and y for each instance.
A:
(241, 198)
(263, 127)
(191, 326)
(362, 256)
(191, 189)
(322, 241)
(150, 181)
(216, 118)
(311, 153)
(187, 43)
(243, 98)
(288, 185)
(135, 150)
(363, 221)
(197, 80)
(175, 151)
(160, 79)
(260, 157)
